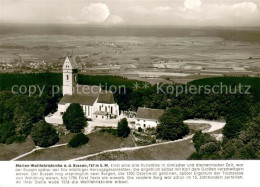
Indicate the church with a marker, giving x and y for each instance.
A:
(96, 103)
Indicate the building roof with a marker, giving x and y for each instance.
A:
(106, 97)
(77, 98)
(149, 113)
(87, 90)
(70, 63)
(83, 94)
(87, 95)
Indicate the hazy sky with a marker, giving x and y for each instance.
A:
(136, 12)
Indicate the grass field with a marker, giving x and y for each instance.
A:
(101, 141)
(97, 142)
(172, 151)
(8, 152)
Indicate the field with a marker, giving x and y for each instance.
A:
(102, 141)
(159, 55)
(170, 55)
(172, 151)
(9, 152)
(97, 142)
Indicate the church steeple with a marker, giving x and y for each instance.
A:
(70, 75)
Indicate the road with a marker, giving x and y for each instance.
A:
(214, 125)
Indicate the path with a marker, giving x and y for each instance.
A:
(214, 125)
(35, 149)
(131, 148)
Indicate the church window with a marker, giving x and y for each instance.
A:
(106, 109)
(99, 108)
(111, 110)
(144, 125)
(67, 77)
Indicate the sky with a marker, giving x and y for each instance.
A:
(133, 12)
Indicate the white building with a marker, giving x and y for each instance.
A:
(147, 117)
(96, 103)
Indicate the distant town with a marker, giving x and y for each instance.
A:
(174, 60)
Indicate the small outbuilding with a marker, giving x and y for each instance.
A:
(147, 117)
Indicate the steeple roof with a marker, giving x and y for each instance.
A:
(70, 63)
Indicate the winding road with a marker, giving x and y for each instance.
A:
(214, 125)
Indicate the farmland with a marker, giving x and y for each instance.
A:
(168, 57)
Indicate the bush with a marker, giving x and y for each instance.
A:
(195, 156)
(209, 148)
(140, 129)
(171, 125)
(78, 140)
(109, 131)
(74, 118)
(122, 128)
(44, 134)
(199, 139)
(232, 128)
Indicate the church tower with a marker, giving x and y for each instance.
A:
(70, 75)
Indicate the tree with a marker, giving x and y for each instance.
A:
(140, 129)
(7, 130)
(209, 148)
(200, 139)
(78, 140)
(171, 125)
(246, 145)
(44, 134)
(23, 121)
(122, 128)
(232, 128)
(74, 118)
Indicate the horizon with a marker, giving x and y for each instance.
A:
(128, 25)
(231, 13)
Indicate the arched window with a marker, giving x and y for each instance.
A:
(111, 110)
(67, 77)
(99, 108)
(106, 108)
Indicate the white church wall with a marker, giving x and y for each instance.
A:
(88, 110)
(109, 108)
(63, 107)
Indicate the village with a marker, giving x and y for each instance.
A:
(148, 59)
